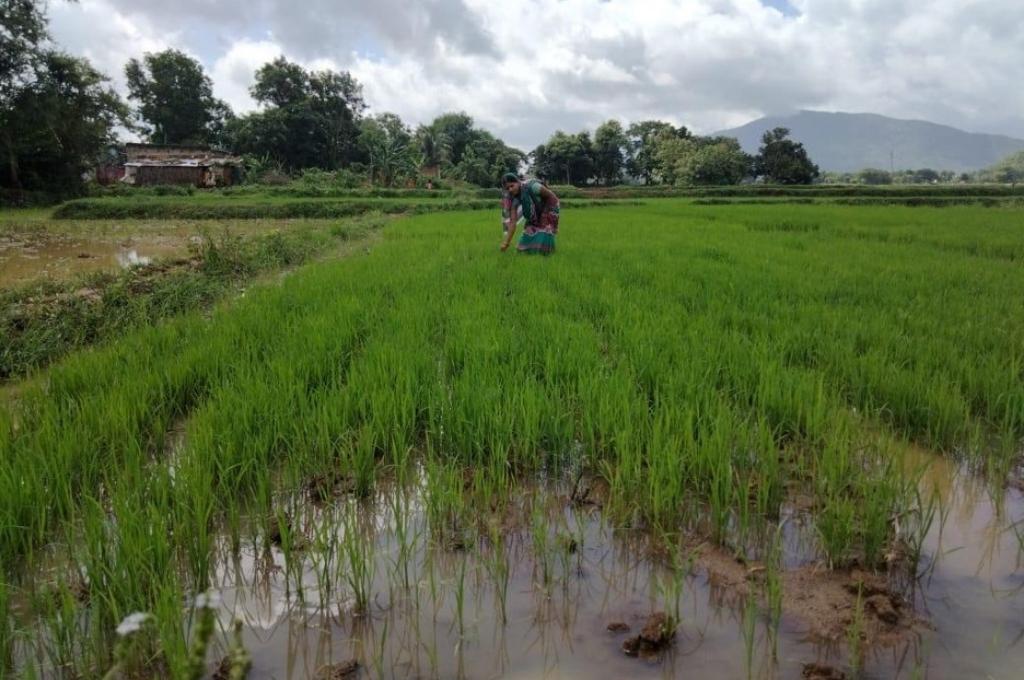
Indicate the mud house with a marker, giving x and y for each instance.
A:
(198, 166)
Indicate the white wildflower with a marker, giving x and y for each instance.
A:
(132, 623)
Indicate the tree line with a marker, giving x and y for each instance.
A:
(59, 117)
(656, 152)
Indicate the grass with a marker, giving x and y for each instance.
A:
(264, 206)
(707, 361)
(44, 321)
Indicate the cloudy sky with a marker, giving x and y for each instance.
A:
(523, 68)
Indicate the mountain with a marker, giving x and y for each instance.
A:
(845, 142)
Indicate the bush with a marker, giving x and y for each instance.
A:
(12, 198)
(105, 209)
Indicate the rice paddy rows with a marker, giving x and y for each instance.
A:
(711, 367)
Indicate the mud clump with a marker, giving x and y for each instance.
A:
(828, 603)
(618, 627)
(817, 671)
(657, 634)
(824, 600)
(884, 608)
(338, 671)
(277, 529)
(328, 486)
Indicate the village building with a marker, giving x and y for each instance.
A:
(198, 166)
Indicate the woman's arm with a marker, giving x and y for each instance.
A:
(509, 234)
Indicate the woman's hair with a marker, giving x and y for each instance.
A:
(509, 177)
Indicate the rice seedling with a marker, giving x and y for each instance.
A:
(855, 635)
(359, 562)
(706, 373)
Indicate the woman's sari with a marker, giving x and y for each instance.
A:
(540, 220)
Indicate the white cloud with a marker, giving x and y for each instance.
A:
(105, 36)
(526, 69)
(232, 73)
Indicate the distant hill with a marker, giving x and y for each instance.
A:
(844, 142)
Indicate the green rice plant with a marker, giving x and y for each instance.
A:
(7, 629)
(704, 371)
(406, 538)
(773, 589)
(543, 569)
(496, 562)
(855, 635)
(445, 502)
(324, 551)
(359, 561)
(460, 596)
(749, 629)
(673, 583)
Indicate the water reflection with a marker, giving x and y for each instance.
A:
(436, 612)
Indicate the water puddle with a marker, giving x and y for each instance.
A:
(539, 602)
(30, 256)
(546, 587)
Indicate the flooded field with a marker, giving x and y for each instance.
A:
(738, 447)
(501, 609)
(32, 256)
(35, 248)
(546, 587)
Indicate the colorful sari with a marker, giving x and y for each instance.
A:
(539, 220)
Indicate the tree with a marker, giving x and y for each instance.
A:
(565, 157)
(714, 161)
(430, 146)
(874, 176)
(309, 119)
(610, 142)
(926, 176)
(175, 99)
(1010, 170)
(1010, 175)
(453, 144)
(642, 161)
(58, 124)
(486, 158)
(782, 161)
(387, 144)
(453, 132)
(56, 112)
(22, 31)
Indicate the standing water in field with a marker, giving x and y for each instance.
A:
(554, 591)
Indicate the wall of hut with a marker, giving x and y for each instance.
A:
(149, 175)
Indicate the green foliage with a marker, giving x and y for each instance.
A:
(565, 157)
(387, 145)
(55, 124)
(175, 99)
(461, 151)
(309, 119)
(643, 162)
(783, 161)
(23, 31)
(265, 205)
(610, 145)
(1010, 170)
(711, 161)
(874, 176)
